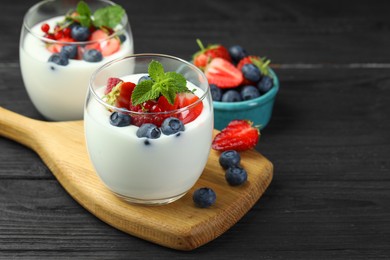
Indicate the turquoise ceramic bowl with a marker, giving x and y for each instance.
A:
(258, 110)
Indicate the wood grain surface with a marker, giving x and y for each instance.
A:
(179, 225)
(328, 139)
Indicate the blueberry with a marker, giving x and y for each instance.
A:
(92, 55)
(229, 158)
(204, 197)
(59, 58)
(249, 92)
(80, 33)
(149, 131)
(231, 96)
(172, 125)
(120, 119)
(216, 92)
(143, 78)
(236, 175)
(265, 84)
(237, 53)
(70, 51)
(122, 38)
(251, 72)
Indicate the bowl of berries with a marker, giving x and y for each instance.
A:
(243, 86)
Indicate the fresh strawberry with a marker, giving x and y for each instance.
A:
(56, 47)
(111, 82)
(205, 55)
(164, 105)
(238, 135)
(223, 73)
(124, 98)
(186, 99)
(105, 45)
(247, 60)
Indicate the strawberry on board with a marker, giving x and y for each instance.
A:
(205, 55)
(223, 73)
(238, 135)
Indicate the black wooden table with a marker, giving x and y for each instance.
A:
(329, 137)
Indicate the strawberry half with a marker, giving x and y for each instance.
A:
(105, 45)
(124, 98)
(223, 73)
(186, 99)
(205, 55)
(238, 135)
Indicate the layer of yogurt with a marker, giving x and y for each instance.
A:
(167, 167)
(58, 92)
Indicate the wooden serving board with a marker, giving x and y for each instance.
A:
(179, 225)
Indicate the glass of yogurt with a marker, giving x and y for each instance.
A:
(129, 145)
(61, 44)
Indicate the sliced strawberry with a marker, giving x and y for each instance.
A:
(238, 135)
(124, 98)
(186, 99)
(56, 47)
(205, 55)
(223, 73)
(111, 82)
(164, 105)
(105, 45)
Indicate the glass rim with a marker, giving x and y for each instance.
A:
(47, 40)
(127, 111)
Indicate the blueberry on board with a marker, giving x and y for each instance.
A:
(237, 53)
(120, 119)
(236, 175)
(59, 58)
(204, 197)
(265, 84)
(70, 51)
(143, 78)
(249, 92)
(80, 33)
(231, 96)
(172, 125)
(251, 72)
(229, 158)
(216, 92)
(148, 130)
(92, 55)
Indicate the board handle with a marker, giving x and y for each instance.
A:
(19, 128)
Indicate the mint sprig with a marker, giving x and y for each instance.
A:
(167, 84)
(108, 16)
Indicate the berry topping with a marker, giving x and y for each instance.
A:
(205, 55)
(80, 33)
(237, 53)
(172, 125)
(265, 84)
(216, 92)
(148, 130)
(251, 72)
(231, 95)
(111, 83)
(187, 99)
(92, 55)
(238, 135)
(59, 59)
(106, 46)
(223, 73)
(70, 51)
(45, 28)
(249, 92)
(204, 197)
(229, 158)
(236, 175)
(120, 119)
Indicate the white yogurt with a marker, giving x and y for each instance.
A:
(58, 92)
(166, 168)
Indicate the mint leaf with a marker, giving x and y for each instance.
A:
(156, 70)
(143, 92)
(167, 84)
(84, 14)
(108, 16)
